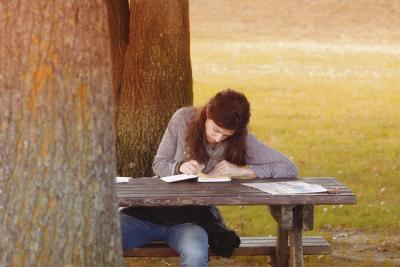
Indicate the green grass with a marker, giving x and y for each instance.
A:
(346, 126)
(335, 113)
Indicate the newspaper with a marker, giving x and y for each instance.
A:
(287, 188)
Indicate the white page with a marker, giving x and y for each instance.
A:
(213, 179)
(120, 179)
(179, 177)
(284, 188)
(205, 178)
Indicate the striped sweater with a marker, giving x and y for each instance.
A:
(263, 160)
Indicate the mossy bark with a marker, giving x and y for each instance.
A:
(152, 77)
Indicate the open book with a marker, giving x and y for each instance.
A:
(204, 178)
(201, 177)
(120, 179)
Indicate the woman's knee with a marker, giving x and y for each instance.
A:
(191, 233)
(135, 232)
(192, 245)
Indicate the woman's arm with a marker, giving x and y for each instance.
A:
(164, 163)
(262, 161)
(266, 162)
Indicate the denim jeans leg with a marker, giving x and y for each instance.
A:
(191, 242)
(136, 232)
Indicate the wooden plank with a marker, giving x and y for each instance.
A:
(268, 241)
(250, 246)
(151, 191)
(158, 184)
(204, 192)
(236, 200)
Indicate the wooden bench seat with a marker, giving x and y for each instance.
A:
(250, 246)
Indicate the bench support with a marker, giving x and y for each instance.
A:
(250, 246)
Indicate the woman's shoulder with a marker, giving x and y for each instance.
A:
(182, 116)
(251, 138)
(185, 113)
(252, 142)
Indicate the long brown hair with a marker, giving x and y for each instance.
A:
(230, 110)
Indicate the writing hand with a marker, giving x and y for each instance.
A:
(227, 168)
(191, 167)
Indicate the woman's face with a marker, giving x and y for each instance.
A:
(216, 134)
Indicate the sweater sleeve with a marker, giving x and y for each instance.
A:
(164, 163)
(267, 162)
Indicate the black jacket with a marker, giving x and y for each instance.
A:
(221, 239)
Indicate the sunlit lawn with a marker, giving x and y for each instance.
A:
(335, 110)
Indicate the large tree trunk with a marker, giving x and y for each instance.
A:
(57, 154)
(156, 77)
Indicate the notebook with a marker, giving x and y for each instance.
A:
(200, 177)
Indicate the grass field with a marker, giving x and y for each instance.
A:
(335, 113)
(335, 110)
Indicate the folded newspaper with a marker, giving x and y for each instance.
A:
(287, 188)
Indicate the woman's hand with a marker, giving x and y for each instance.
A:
(227, 168)
(191, 167)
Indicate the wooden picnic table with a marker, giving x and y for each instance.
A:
(291, 212)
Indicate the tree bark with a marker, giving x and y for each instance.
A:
(57, 153)
(118, 20)
(156, 79)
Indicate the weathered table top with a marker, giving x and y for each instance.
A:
(155, 192)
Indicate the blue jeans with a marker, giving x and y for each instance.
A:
(189, 240)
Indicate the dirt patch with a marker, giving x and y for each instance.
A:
(357, 245)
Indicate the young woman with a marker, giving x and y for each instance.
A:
(212, 139)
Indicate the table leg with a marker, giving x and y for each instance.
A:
(282, 250)
(296, 238)
(290, 220)
(283, 216)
